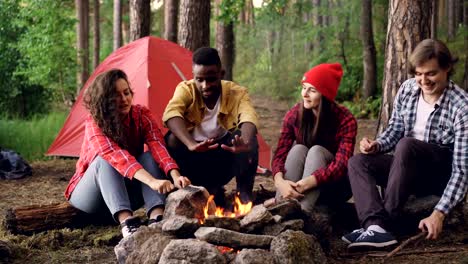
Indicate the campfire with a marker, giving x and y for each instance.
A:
(240, 209)
(196, 231)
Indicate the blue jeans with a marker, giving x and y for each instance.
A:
(104, 188)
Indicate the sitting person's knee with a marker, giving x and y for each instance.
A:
(405, 145)
(317, 150)
(357, 160)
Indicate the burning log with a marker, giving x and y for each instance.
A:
(228, 238)
(223, 222)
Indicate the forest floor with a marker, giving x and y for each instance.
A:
(95, 244)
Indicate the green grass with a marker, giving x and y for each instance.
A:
(31, 138)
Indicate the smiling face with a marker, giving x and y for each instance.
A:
(124, 96)
(208, 81)
(432, 79)
(310, 96)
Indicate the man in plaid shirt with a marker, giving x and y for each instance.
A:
(428, 131)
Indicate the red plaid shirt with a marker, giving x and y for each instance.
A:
(142, 127)
(340, 142)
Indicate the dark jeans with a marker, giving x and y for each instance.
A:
(215, 168)
(416, 167)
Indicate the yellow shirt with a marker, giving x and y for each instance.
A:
(188, 104)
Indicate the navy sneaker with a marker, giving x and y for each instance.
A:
(351, 237)
(375, 239)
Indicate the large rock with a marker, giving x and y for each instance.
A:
(254, 256)
(256, 219)
(192, 251)
(277, 228)
(418, 208)
(228, 238)
(180, 226)
(144, 246)
(292, 247)
(188, 202)
(287, 209)
(150, 251)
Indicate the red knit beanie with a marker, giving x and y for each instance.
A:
(326, 78)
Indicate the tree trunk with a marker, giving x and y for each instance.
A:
(465, 23)
(451, 18)
(225, 43)
(117, 24)
(408, 23)
(459, 5)
(342, 37)
(306, 17)
(140, 19)
(246, 15)
(326, 7)
(194, 24)
(434, 18)
(171, 9)
(31, 219)
(318, 23)
(96, 34)
(369, 85)
(82, 11)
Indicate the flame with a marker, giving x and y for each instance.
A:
(240, 209)
(224, 249)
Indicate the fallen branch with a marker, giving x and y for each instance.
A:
(406, 242)
(406, 252)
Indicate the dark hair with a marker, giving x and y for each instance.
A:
(99, 99)
(429, 49)
(206, 56)
(313, 128)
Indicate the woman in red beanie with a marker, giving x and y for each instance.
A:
(317, 139)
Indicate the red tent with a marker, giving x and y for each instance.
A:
(154, 67)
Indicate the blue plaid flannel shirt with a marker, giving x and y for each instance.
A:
(447, 125)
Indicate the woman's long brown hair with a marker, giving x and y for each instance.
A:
(100, 100)
(311, 127)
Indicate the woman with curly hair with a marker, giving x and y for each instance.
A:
(317, 139)
(113, 170)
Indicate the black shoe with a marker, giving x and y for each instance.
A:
(158, 218)
(374, 239)
(130, 226)
(351, 237)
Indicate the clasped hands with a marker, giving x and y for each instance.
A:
(239, 145)
(296, 190)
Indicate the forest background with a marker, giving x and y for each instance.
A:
(49, 47)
